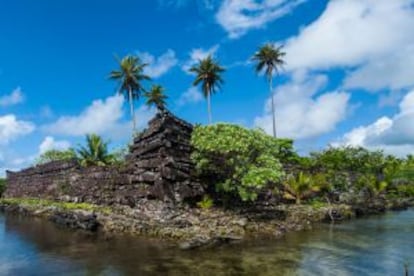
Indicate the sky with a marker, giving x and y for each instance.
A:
(348, 77)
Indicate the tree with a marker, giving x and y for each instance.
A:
(2, 186)
(242, 167)
(304, 185)
(269, 59)
(130, 76)
(95, 153)
(156, 97)
(208, 73)
(56, 155)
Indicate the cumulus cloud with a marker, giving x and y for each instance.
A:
(12, 128)
(300, 113)
(198, 54)
(375, 37)
(100, 117)
(103, 117)
(237, 17)
(158, 66)
(392, 134)
(50, 143)
(15, 97)
(192, 95)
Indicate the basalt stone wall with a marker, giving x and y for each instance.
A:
(69, 181)
(158, 167)
(160, 158)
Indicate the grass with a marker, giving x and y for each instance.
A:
(35, 202)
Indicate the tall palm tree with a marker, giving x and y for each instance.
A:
(95, 152)
(156, 97)
(269, 59)
(208, 73)
(130, 76)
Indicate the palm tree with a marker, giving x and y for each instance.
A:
(95, 152)
(269, 59)
(304, 185)
(156, 97)
(130, 76)
(208, 73)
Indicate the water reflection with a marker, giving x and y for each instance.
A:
(375, 246)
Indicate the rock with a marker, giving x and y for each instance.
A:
(76, 220)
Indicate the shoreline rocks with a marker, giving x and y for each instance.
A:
(192, 228)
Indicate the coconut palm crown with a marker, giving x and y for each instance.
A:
(130, 76)
(156, 97)
(269, 59)
(208, 73)
(95, 152)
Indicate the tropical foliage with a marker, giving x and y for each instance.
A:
(208, 73)
(95, 152)
(2, 186)
(130, 76)
(303, 186)
(269, 59)
(56, 155)
(240, 167)
(156, 97)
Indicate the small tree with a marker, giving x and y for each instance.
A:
(56, 155)
(2, 186)
(235, 160)
(95, 153)
(304, 186)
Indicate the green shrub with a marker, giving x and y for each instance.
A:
(406, 190)
(304, 186)
(237, 161)
(206, 202)
(351, 159)
(2, 186)
(56, 155)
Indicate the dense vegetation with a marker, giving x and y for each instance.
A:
(94, 153)
(236, 160)
(2, 186)
(242, 164)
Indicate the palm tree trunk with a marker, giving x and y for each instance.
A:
(273, 106)
(210, 117)
(131, 106)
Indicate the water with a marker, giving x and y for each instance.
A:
(378, 245)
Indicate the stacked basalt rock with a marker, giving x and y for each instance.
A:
(160, 157)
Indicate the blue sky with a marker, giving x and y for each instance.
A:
(348, 78)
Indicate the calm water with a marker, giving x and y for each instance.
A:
(374, 246)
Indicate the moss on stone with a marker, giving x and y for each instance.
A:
(35, 202)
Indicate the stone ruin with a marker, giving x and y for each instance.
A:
(158, 167)
(160, 157)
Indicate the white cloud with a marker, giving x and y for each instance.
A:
(392, 134)
(160, 65)
(11, 128)
(15, 97)
(374, 36)
(103, 117)
(393, 71)
(237, 17)
(300, 113)
(50, 143)
(198, 54)
(192, 95)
